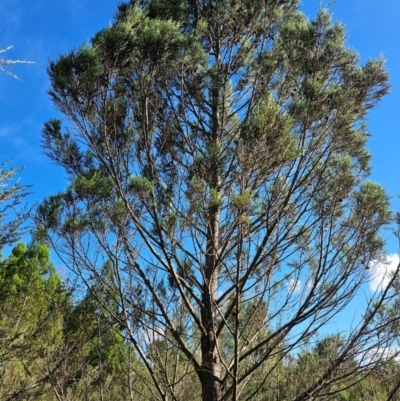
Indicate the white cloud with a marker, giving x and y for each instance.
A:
(377, 354)
(381, 271)
(293, 285)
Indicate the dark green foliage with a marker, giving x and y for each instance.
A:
(29, 290)
(26, 269)
(53, 344)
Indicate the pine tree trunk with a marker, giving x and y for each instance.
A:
(210, 375)
(211, 369)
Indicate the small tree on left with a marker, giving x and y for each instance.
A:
(11, 219)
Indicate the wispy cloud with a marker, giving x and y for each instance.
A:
(294, 285)
(377, 354)
(381, 271)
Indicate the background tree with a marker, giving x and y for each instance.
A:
(218, 165)
(12, 220)
(84, 357)
(54, 346)
(29, 285)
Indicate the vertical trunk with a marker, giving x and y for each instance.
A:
(211, 364)
(210, 375)
(211, 369)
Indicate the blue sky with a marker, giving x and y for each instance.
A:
(43, 29)
(39, 31)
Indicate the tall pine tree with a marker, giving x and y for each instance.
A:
(217, 160)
